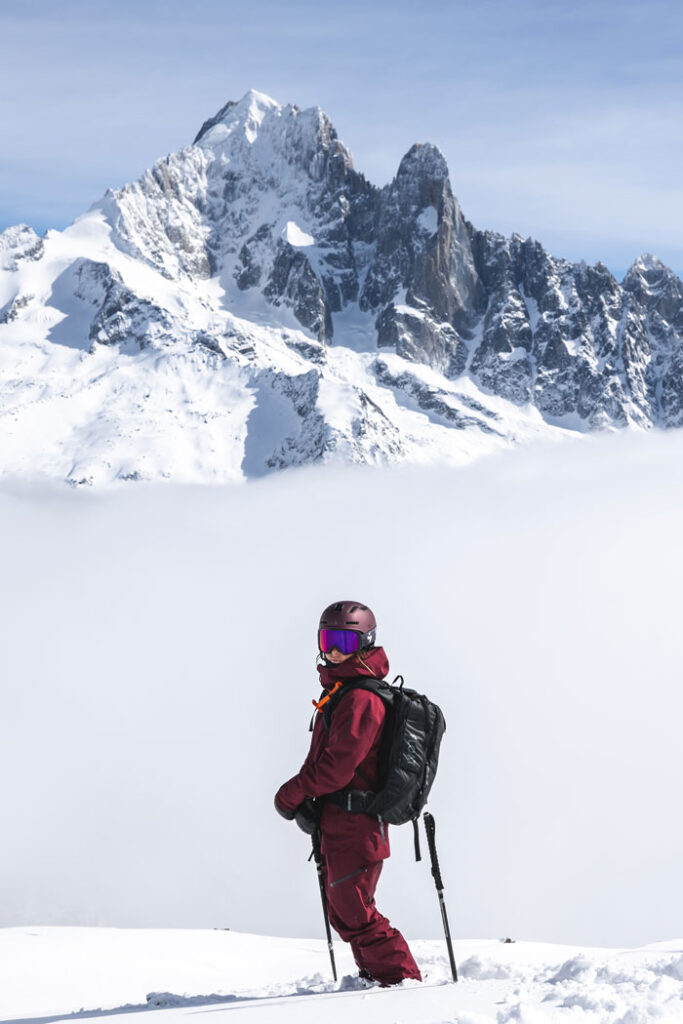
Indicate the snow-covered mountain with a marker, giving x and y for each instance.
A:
(253, 302)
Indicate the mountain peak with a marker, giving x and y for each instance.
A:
(17, 243)
(648, 270)
(646, 261)
(424, 158)
(248, 112)
(656, 287)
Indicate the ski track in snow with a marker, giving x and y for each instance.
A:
(50, 974)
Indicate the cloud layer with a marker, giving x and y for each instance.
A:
(157, 669)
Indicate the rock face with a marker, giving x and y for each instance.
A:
(422, 246)
(19, 243)
(337, 319)
(564, 337)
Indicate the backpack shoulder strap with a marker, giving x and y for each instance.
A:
(377, 686)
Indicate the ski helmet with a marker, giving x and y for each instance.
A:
(351, 615)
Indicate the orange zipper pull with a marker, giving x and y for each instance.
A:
(320, 704)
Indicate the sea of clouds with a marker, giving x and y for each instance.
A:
(157, 669)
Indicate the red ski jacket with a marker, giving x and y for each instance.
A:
(345, 757)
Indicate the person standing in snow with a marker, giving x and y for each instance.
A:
(345, 756)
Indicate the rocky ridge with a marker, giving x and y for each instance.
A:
(316, 315)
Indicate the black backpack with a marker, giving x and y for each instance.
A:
(408, 755)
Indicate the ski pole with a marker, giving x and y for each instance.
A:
(430, 829)
(318, 857)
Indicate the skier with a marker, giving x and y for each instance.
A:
(345, 756)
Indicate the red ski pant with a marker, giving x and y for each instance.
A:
(378, 949)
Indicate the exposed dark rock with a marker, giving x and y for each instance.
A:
(415, 336)
(292, 280)
(251, 258)
(422, 245)
(19, 243)
(433, 400)
(122, 317)
(566, 336)
(13, 309)
(211, 121)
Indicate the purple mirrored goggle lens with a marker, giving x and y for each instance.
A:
(345, 640)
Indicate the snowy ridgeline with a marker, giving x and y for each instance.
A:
(52, 971)
(252, 302)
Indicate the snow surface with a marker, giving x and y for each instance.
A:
(47, 972)
(102, 414)
(428, 220)
(295, 236)
(247, 115)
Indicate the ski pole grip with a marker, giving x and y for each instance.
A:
(430, 829)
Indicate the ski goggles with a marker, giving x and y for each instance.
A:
(345, 640)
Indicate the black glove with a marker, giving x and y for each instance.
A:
(289, 815)
(307, 816)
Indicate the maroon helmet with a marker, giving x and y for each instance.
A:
(351, 615)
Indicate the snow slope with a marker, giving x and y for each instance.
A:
(46, 973)
(165, 401)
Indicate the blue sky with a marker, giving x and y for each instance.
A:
(563, 121)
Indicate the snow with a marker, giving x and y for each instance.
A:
(647, 261)
(293, 234)
(532, 309)
(413, 311)
(512, 357)
(354, 330)
(428, 220)
(271, 418)
(248, 114)
(104, 414)
(573, 345)
(86, 971)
